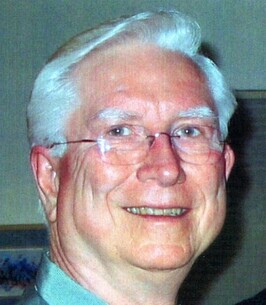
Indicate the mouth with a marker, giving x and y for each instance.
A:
(147, 211)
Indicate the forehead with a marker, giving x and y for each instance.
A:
(140, 78)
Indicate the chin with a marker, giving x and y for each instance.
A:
(164, 258)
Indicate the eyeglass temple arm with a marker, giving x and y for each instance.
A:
(71, 142)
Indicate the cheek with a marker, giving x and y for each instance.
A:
(83, 207)
(88, 173)
(212, 212)
(213, 218)
(104, 178)
(85, 187)
(209, 179)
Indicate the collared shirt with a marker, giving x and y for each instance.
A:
(54, 287)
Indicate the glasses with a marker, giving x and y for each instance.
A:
(130, 144)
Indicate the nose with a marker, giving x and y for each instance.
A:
(162, 164)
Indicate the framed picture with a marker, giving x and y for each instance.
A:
(18, 269)
(21, 249)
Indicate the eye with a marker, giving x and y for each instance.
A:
(120, 131)
(188, 132)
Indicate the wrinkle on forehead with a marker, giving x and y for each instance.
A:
(148, 81)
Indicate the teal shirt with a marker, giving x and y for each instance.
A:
(54, 287)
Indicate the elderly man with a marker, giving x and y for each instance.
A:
(127, 124)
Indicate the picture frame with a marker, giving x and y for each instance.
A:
(21, 248)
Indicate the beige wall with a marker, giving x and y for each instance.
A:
(31, 30)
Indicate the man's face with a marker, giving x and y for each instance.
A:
(95, 220)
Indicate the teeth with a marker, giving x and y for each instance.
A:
(157, 212)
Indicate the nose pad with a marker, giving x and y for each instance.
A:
(162, 163)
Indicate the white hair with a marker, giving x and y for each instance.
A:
(54, 95)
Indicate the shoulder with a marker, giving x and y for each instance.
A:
(30, 297)
(259, 299)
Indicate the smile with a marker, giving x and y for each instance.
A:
(157, 212)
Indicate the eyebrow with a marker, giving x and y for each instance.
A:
(116, 114)
(119, 114)
(198, 112)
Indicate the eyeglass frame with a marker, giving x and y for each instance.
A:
(145, 138)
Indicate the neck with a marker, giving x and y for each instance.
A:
(119, 283)
(124, 285)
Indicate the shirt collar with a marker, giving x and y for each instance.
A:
(57, 288)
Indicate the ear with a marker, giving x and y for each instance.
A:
(45, 169)
(229, 160)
